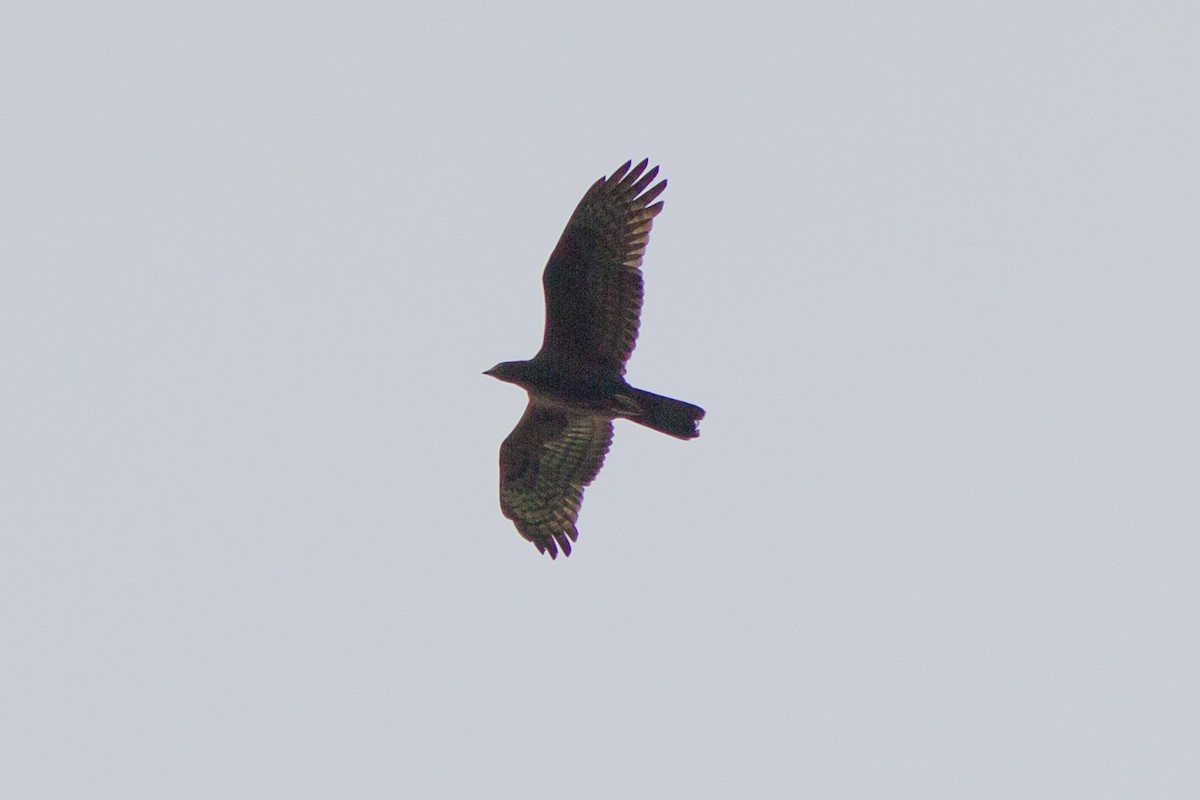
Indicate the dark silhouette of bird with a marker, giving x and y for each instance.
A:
(576, 383)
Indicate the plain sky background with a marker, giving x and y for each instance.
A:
(933, 269)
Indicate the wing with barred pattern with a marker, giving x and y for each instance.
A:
(545, 463)
(593, 280)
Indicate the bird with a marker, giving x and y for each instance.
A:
(576, 382)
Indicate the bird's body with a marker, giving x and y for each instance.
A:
(576, 383)
(575, 386)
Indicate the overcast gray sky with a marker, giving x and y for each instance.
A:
(933, 269)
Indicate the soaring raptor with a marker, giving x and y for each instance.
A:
(576, 382)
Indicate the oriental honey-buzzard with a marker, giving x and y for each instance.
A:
(576, 384)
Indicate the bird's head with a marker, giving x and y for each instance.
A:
(508, 371)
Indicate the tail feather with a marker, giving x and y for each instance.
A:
(665, 415)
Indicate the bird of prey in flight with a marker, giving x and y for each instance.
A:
(576, 382)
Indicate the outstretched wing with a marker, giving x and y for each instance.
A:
(593, 282)
(544, 465)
